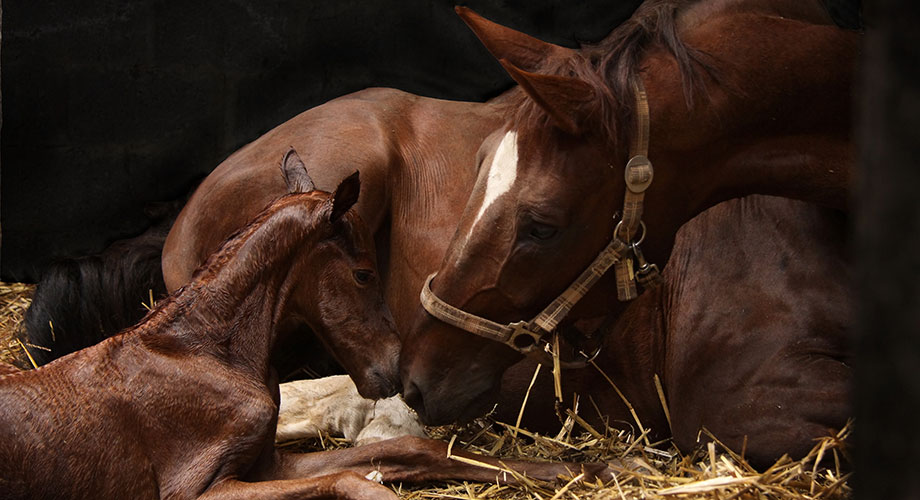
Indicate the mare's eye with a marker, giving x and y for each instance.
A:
(542, 232)
(363, 276)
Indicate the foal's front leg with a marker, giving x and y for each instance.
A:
(259, 478)
(413, 459)
(343, 485)
(332, 405)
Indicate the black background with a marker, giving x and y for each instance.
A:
(111, 104)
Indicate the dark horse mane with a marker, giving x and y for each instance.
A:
(611, 65)
(73, 305)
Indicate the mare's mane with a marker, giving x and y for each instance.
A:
(611, 65)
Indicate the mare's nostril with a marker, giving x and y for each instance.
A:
(389, 384)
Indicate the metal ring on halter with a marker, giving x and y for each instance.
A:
(592, 357)
(616, 230)
(580, 363)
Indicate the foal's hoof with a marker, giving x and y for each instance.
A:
(564, 472)
(597, 471)
(391, 419)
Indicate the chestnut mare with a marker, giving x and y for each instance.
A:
(770, 83)
(184, 405)
(742, 97)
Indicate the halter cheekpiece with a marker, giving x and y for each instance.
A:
(622, 253)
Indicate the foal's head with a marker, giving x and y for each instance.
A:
(334, 286)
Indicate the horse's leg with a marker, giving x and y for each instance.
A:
(343, 485)
(413, 459)
(757, 346)
(391, 418)
(332, 405)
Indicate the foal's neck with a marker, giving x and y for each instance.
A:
(232, 307)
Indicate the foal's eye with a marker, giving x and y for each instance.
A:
(363, 276)
(542, 232)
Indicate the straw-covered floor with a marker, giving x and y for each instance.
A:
(14, 300)
(646, 469)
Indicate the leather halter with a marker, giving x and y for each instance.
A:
(526, 336)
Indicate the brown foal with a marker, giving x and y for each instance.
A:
(185, 404)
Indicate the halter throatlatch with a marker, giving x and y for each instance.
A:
(638, 175)
(527, 337)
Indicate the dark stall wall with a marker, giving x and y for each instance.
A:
(111, 104)
(886, 253)
(1, 127)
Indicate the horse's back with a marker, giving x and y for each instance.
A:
(374, 131)
(334, 139)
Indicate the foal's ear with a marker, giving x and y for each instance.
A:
(346, 195)
(566, 99)
(524, 51)
(295, 173)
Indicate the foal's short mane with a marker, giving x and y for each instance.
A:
(231, 246)
(611, 65)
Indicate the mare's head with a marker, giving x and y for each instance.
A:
(334, 286)
(550, 183)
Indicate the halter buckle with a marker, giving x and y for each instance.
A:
(640, 258)
(638, 174)
(647, 274)
(523, 338)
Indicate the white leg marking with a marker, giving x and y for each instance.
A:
(391, 418)
(332, 405)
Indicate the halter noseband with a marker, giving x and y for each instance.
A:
(526, 336)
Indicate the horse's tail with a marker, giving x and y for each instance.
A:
(80, 301)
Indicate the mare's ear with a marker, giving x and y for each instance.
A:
(566, 99)
(295, 173)
(346, 195)
(524, 51)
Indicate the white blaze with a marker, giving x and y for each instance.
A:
(502, 173)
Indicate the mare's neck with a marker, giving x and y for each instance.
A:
(813, 11)
(776, 121)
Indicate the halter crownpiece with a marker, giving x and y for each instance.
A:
(526, 336)
(638, 175)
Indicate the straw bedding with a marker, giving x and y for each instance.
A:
(647, 470)
(14, 300)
